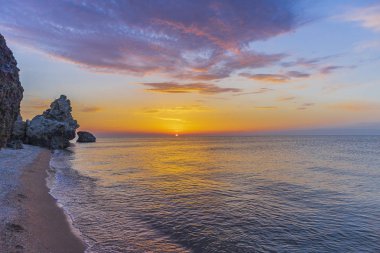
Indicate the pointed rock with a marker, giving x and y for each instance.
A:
(54, 128)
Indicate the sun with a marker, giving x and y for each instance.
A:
(176, 135)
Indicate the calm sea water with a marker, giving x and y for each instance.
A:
(230, 194)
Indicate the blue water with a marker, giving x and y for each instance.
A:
(223, 194)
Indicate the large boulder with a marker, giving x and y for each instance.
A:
(19, 129)
(18, 134)
(11, 92)
(54, 128)
(86, 137)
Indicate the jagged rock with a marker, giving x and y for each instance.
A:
(15, 144)
(10, 92)
(18, 134)
(19, 129)
(86, 137)
(54, 128)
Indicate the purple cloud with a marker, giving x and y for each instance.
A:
(259, 91)
(199, 40)
(298, 74)
(203, 88)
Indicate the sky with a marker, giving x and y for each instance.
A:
(201, 67)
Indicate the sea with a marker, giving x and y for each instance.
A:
(222, 194)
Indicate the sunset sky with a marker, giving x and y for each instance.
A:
(193, 67)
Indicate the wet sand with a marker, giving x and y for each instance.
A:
(39, 226)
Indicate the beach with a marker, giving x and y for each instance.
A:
(31, 220)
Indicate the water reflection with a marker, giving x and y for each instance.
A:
(224, 194)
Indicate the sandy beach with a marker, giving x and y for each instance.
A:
(31, 220)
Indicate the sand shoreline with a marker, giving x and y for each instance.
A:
(39, 225)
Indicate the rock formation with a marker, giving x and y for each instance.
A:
(10, 92)
(18, 134)
(54, 128)
(86, 137)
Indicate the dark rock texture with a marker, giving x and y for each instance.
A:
(19, 129)
(54, 128)
(15, 144)
(86, 137)
(11, 92)
(18, 134)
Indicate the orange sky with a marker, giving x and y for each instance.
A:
(215, 74)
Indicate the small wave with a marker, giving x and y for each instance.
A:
(219, 148)
(340, 172)
(60, 162)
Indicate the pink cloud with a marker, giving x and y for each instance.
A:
(203, 88)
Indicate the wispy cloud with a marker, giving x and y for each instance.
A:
(331, 88)
(176, 109)
(355, 106)
(297, 74)
(259, 91)
(288, 98)
(330, 69)
(143, 37)
(270, 78)
(368, 45)
(36, 104)
(32, 106)
(368, 17)
(203, 88)
(308, 62)
(266, 107)
(305, 106)
(223, 65)
(276, 78)
(90, 109)
(171, 119)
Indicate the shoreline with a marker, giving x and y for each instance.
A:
(39, 225)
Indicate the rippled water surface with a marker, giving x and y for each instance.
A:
(223, 194)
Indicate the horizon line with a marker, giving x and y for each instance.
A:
(300, 132)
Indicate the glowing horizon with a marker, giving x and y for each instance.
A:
(200, 67)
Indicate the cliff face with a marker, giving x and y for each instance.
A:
(10, 92)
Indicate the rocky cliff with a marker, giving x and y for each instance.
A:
(11, 92)
(18, 134)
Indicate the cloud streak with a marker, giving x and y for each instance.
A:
(355, 106)
(305, 106)
(258, 91)
(176, 110)
(367, 17)
(276, 78)
(175, 88)
(90, 109)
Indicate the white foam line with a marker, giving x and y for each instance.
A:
(49, 183)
